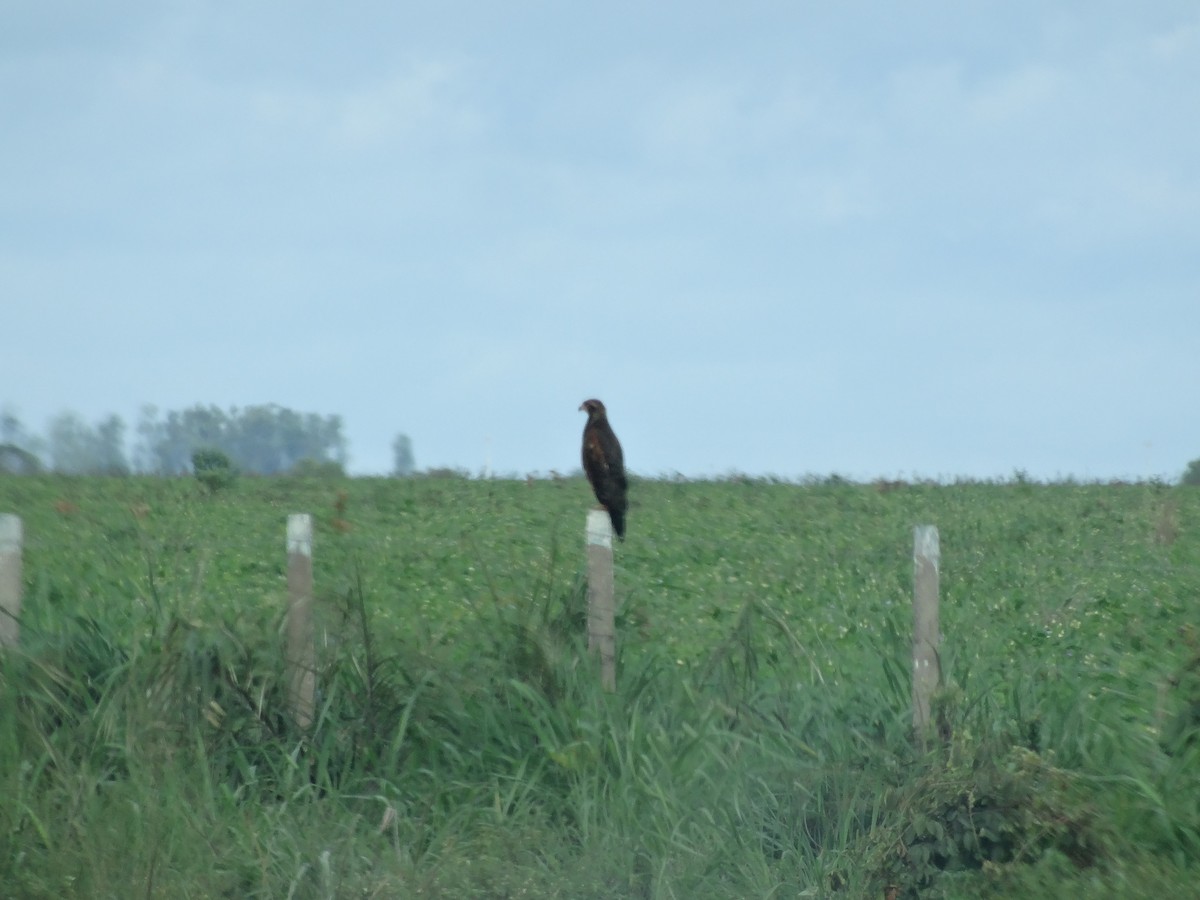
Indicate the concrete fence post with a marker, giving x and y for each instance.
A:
(301, 650)
(927, 670)
(10, 580)
(602, 629)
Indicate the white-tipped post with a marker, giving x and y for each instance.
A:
(927, 670)
(602, 630)
(301, 651)
(10, 580)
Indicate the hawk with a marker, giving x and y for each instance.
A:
(604, 464)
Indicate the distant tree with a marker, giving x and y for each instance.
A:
(11, 429)
(197, 428)
(16, 460)
(272, 439)
(69, 437)
(76, 448)
(266, 439)
(258, 439)
(165, 446)
(404, 463)
(1192, 475)
(150, 434)
(20, 451)
(110, 447)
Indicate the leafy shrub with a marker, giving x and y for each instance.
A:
(987, 806)
(213, 469)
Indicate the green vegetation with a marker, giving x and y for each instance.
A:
(213, 470)
(758, 744)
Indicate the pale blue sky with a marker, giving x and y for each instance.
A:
(879, 239)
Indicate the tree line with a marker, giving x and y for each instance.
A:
(265, 440)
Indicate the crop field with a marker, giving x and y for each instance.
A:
(759, 742)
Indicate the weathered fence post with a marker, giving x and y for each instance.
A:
(301, 651)
(602, 629)
(927, 671)
(10, 580)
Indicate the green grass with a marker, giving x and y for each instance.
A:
(758, 744)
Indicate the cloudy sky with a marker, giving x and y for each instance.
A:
(922, 239)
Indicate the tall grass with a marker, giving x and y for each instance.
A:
(758, 744)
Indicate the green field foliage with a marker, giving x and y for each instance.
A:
(759, 742)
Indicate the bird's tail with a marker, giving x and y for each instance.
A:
(618, 522)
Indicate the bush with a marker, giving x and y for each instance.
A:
(213, 469)
(982, 808)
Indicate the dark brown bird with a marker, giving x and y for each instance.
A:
(605, 464)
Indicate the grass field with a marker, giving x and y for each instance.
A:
(758, 744)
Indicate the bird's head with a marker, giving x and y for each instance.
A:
(592, 407)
